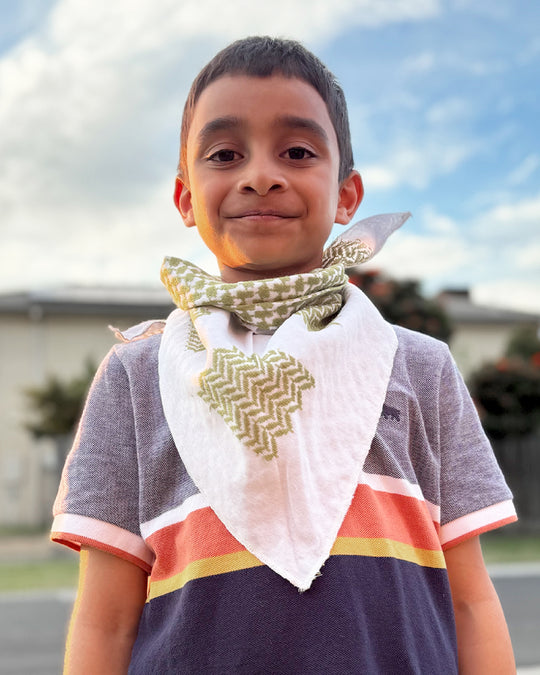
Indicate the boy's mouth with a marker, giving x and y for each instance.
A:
(263, 213)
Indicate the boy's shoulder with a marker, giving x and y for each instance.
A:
(140, 331)
(139, 343)
(420, 351)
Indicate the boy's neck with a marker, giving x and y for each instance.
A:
(232, 275)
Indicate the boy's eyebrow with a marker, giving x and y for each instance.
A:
(294, 122)
(218, 124)
(228, 122)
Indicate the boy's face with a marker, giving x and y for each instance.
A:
(262, 176)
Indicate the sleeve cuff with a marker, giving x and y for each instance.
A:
(477, 523)
(75, 531)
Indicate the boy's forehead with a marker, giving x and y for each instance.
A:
(238, 101)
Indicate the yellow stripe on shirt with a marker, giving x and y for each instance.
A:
(388, 548)
(230, 562)
(233, 562)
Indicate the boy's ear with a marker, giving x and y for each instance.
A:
(351, 193)
(182, 199)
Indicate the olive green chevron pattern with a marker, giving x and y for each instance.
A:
(349, 253)
(255, 395)
(261, 305)
(317, 317)
(193, 342)
(196, 312)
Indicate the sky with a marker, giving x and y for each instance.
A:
(443, 103)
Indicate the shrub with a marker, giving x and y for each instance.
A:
(56, 406)
(507, 394)
(401, 303)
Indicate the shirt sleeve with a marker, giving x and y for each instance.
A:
(474, 495)
(98, 500)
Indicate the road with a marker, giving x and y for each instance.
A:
(33, 626)
(32, 632)
(520, 598)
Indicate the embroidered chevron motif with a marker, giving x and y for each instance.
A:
(255, 395)
(193, 342)
(316, 317)
(348, 252)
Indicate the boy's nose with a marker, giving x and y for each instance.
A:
(261, 176)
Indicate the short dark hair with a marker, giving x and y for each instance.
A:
(262, 56)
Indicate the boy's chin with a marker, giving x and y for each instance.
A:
(253, 270)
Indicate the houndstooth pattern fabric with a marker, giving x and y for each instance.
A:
(261, 305)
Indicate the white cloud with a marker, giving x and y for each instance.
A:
(524, 170)
(438, 223)
(379, 177)
(431, 258)
(90, 110)
(442, 252)
(520, 295)
(115, 25)
(513, 221)
(529, 52)
(417, 162)
(448, 111)
(420, 64)
(528, 258)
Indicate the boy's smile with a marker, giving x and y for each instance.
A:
(262, 184)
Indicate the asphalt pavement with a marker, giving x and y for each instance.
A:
(520, 598)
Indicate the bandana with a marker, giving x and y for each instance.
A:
(273, 390)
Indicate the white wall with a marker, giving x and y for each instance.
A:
(472, 345)
(30, 349)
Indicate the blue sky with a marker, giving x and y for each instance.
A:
(444, 107)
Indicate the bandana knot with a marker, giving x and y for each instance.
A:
(263, 305)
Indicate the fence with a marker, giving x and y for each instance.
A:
(519, 458)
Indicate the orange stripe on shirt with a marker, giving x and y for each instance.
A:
(201, 535)
(383, 515)
(344, 546)
(372, 515)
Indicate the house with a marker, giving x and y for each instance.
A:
(480, 334)
(56, 331)
(45, 333)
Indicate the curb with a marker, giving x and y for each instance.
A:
(521, 569)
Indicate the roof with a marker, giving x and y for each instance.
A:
(85, 300)
(154, 301)
(461, 309)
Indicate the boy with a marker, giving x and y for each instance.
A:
(276, 435)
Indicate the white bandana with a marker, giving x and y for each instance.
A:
(275, 434)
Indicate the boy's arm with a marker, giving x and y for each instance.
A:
(106, 615)
(482, 635)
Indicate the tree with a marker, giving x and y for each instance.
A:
(401, 303)
(56, 406)
(55, 409)
(508, 392)
(525, 344)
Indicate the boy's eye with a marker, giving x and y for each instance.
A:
(299, 153)
(222, 156)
